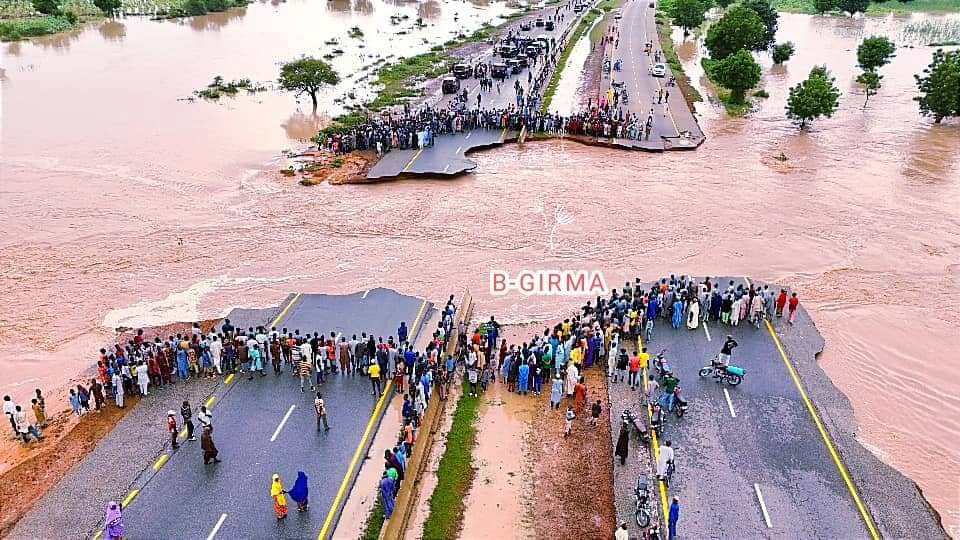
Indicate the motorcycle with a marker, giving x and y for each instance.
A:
(679, 404)
(660, 365)
(657, 420)
(643, 511)
(732, 375)
(641, 428)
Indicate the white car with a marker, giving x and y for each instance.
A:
(659, 69)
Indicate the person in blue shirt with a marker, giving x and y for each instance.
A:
(674, 517)
(402, 332)
(523, 377)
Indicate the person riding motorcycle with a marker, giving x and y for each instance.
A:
(669, 384)
(724, 357)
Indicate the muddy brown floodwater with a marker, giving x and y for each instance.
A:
(103, 171)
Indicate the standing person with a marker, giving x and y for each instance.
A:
(210, 451)
(595, 411)
(556, 392)
(666, 456)
(634, 378)
(388, 491)
(792, 306)
(74, 403)
(321, 409)
(580, 395)
(523, 376)
(143, 378)
(38, 413)
(622, 532)
(279, 499)
(113, 522)
(24, 428)
(173, 429)
(568, 418)
(97, 390)
(300, 493)
(117, 389)
(205, 418)
(781, 302)
(623, 442)
(187, 413)
(674, 517)
(374, 372)
(304, 366)
(473, 377)
(43, 406)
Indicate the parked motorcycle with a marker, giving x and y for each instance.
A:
(679, 404)
(643, 510)
(732, 375)
(641, 427)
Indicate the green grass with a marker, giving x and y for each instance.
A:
(890, 6)
(374, 524)
(455, 472)
(582, 27)
(666, 44)
(398, 79)
(761, 94)
(16, 29)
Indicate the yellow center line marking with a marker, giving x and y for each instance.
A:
(184, 432)
(837, 460)
(210, 401)
(160, 461)
(99, 535)
(229, 379)
(414, 158)
(416, 322)
(325, 531)
(286, 310)
(653, 437)
(129, 498)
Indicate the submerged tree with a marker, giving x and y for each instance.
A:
(782, 52)
(688, 14)
(815, 97)
(738, 72)
(739, 28)
(940, 86)
(307, 76)
(769, 16)
(874, 53)
(823, 6)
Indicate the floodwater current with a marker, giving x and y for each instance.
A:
(123, 205)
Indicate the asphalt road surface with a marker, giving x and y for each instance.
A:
(738, 446)
(265, 426)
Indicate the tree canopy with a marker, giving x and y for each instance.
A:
(688, 14)
(739, 28)
(823, 6)
(815, 97)
(108, 7)
(738, 72)
(307, 76)
(769, 16)
(853, 6)
(782, 52)
(875, 52)
(940, 86)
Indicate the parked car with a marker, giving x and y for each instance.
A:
(549, 26)
(618, 14)
(651, 5)
(508, 51)
(539, 22)
(450, 85)
(659, 69)
(498, 71)
(462, 71)
(525, 26)
(515, 65)
(524, 61)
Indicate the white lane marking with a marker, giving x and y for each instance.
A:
(459, 148)
(763, 506)
(729, 403)
(706, 330)
(365, 293)
(468, 135)
(446, 167)
(223, 517)
(282, 422)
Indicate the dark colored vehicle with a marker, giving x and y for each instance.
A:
(462, 71)
(532, 51)
(498, 71)
(539, 22)
(544, 43)
(524, 61)
(508, 51)
(549, 26)
(525, 26)
(450, 85)
(515, 66)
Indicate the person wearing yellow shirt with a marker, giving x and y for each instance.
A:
(576, 356)
(644, 358)
(374, 372)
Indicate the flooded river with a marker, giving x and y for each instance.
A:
(104, 172)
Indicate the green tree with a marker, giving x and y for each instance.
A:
(48, 7)
(782, 52)
(217, 5)
(871, 84)
(724, 3)
(875, 52)
(306, 76)
(195, 7)
(108, 7)
(815, 97)
(853, 6)
(769, 16)
(738, 72)
(823, 6)
(739, 28)
(940, 86)
(688, 14)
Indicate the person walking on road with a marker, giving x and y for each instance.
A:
(623, 443)
(568, 417)
(595, 411)
(205, 418)
(374, 373)
(118, 389)
(300, 493)
(321, 409)
(622, 532)
(187, 413)
(24, 428)
(792, 307)
(781, 302)
(556, 392)
(210, 451)
(173, 429)
(666, 456)
(388, 490)
(279, 497)
(304, 367)
(674, 518)
(113, 522)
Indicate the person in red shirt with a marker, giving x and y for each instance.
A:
(781, 301)
(633, 378)
(172, 428)
(794, 302)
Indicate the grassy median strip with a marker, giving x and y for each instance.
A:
(374, 524)
(455, 472)
(664, 33)
(584, 25)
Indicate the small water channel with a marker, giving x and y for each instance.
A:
(568, 89)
